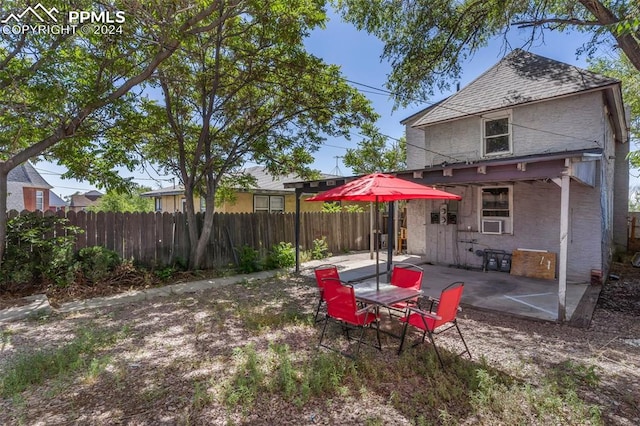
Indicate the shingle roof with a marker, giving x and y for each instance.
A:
(24, 175)
(177, 190)
(519, 78)
(27, 175)
(15, 198)
(56, 201)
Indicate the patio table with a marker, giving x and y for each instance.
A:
(387, 295)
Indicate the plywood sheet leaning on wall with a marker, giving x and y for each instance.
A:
(533, 264)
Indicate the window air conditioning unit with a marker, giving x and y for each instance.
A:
(491, 226)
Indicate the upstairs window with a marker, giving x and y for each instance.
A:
(40, 200)
(496, 135)
(158, 204)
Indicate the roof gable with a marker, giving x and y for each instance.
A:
(520, 77)
(26, 175)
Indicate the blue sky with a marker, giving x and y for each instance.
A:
(358, 54)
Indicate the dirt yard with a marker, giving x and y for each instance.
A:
(169, 361)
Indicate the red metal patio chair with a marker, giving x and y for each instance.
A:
(342, 309)
(432, 323)
(406, 275)
(322, 272)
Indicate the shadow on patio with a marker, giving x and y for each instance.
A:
(498, 291)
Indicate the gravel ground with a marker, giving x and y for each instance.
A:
(174, 355)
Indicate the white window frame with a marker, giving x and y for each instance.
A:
(40, 200)
(255, 204)
(158, 204)
(272, 208)
(507, 221)
(270, 204)
(493, 117)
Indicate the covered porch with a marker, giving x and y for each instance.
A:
(556, 169)
(492, 290)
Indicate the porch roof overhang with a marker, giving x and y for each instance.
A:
(578, 164)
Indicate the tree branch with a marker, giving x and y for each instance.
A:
(561, 21)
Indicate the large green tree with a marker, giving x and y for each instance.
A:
(125, 201)
(66, 95)
(426, 41)
(374, 153)
(247, 91)
(619, 66)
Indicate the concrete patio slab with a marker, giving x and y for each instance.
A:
(492, 290)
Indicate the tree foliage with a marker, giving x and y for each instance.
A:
(427, 41)
(124, 201)
(374, 154)
(247, 90)
(621, 68)
(67, 96)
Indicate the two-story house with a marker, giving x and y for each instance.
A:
(537, 150)
(27, 190)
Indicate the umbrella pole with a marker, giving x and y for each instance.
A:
(372, 236)
(378, 237)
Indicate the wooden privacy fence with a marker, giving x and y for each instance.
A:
(157, 239)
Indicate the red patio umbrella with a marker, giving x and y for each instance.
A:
(380, 187)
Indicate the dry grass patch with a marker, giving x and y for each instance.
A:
(247, 353)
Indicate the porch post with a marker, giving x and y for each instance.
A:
(297, 230)
(564, 243)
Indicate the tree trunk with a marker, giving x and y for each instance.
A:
(205, 234)
(192, 224)
(627, 42)
(3, 211)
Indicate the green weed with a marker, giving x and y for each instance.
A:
(25, 370)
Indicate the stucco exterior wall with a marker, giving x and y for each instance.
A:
(621, 197)
(242, 204)
(536, 208)
(416, 156)
(562, 124)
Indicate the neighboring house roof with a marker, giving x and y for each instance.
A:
(87, 199)
(264, 182)
(55, 201)
(28, 176)
(172, 190)
(520, 77)
(22, 176)
(93, 194)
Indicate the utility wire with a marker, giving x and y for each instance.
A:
(439, 104)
